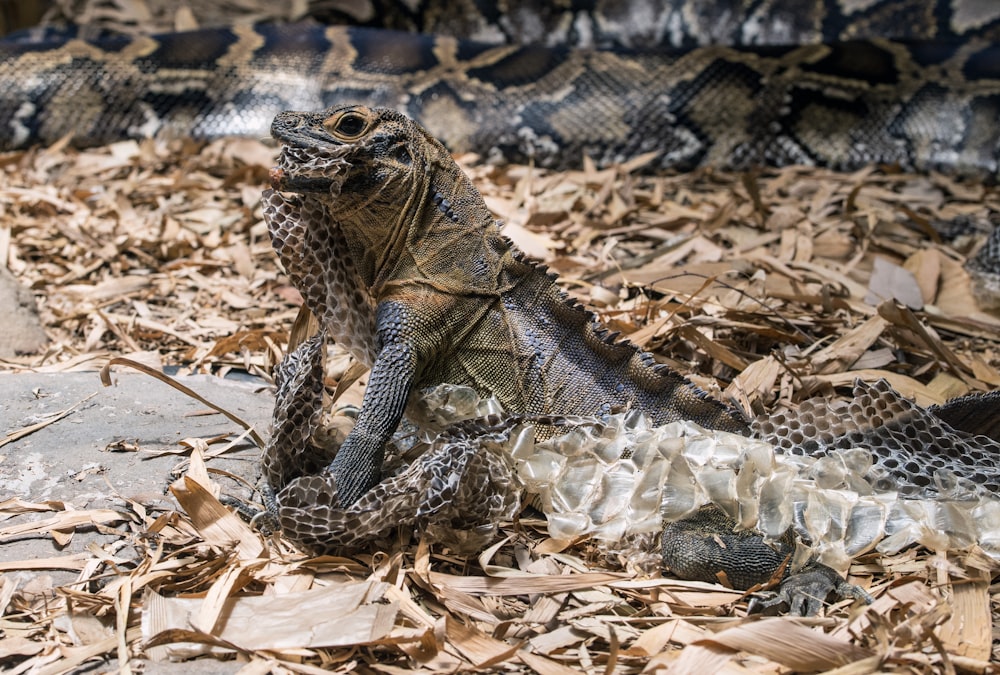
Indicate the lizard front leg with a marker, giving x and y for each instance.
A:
(358, 464)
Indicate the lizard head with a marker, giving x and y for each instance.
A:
(390, 189)
(348, 149)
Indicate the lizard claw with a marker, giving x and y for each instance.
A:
(806, 591)
(264, 520)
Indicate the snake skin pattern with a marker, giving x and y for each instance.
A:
(465, 482)
(911, 449)
(457, 491)
(810, 83)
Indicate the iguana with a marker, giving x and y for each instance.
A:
(398, 256)
(395, 251)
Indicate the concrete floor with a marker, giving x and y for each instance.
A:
(71, 459)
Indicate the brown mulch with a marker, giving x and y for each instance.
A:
(767, 287)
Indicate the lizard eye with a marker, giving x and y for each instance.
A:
(348, 125)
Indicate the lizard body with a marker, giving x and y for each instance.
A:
(441, 294)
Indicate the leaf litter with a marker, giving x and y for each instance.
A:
(767, 287)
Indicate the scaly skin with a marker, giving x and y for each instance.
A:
(398, 256)
(446, 296)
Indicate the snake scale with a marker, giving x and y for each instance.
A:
(812, 83)
(835, 84)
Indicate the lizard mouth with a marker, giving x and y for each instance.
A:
(310, 169)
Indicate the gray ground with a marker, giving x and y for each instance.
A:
(21, 330)
(69, 460)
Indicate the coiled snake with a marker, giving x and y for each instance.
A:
(816, 83)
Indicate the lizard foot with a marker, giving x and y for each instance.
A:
(804, 593)
(707, 546)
